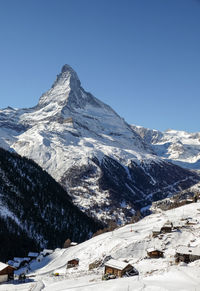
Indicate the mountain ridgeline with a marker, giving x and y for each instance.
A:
(35, 211)
(107, 168)
(179, 147)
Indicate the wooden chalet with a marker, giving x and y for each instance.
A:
(155, 232)
(6, 272)
(155, 253)
(187, 254)
(167, 227)
(117, 268)
(191, 221)
(72, 263)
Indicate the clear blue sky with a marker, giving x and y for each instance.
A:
(142, 57)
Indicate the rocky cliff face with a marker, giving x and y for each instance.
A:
(107, 168)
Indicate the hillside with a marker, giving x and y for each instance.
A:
(35, 211)
(102, 162)
(128, 243)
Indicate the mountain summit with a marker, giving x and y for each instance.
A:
(105, 165)
(66, 90)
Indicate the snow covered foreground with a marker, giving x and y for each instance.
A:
(126, 243)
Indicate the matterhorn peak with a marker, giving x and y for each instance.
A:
(64, 90)
(67, 68)
(68, 71)
(68, 75)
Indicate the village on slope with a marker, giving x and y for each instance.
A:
(160, 251)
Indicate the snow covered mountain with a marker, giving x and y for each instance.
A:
(104, 164)
(35, 211)
(179, 147)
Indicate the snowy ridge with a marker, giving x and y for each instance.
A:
(88, 148)
(67, 116)
(180, 147)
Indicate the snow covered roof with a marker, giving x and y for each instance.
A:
(192, 220)
(178, 223)
(16, 264)
(74, 259)
(153, 250)
(167, 224)
(10, 262)
(116, 264)
(188, 250)
(46, 251)
(156, 229)
(3, 266)
(30, 254)
(20, 260)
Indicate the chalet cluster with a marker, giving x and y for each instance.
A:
(184, 254)
(112, 268)
(72, 263)
(169, 226)
(7, 270)
(18, 262)
(166, 228)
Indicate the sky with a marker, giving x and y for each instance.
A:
(142, 57)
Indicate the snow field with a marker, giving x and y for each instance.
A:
(126, 243)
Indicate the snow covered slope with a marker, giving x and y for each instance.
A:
(128, 243)
(104, 164)
(35, 211)
(179, 147)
